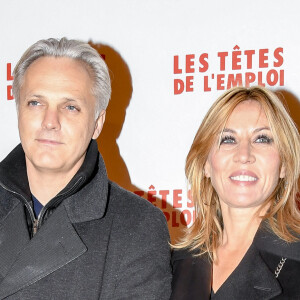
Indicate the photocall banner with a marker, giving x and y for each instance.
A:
(169, 61)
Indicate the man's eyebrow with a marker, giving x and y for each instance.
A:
(34, 95)
(67, 99)
(70, 99)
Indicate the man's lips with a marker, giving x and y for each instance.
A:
(244, 176)
(49, 142)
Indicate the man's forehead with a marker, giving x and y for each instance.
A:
(61, 77)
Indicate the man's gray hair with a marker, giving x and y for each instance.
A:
(71, 49)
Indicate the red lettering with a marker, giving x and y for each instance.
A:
(167, 215)
(176, 63)
(203, 62)
(260, 82)
(206, 87)
(272, 77)
(234, 80)
(278, 57)
(220, 82)
(222, 56)
(185, 217)
(281, 77)
(177, 198)
(174, 221)
(249, 78)
(178, 86)
(139, 193)
(189, 83)
(9, 93)
(189, 63)
(236, 60)
(9, 73)
(249, 54)
(164, 194)
(263, 58)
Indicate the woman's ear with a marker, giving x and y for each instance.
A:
(282, 171)
(207, 168)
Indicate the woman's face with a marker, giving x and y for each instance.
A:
(244, 166)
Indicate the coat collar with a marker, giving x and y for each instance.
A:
(77, 197)
(267, 241)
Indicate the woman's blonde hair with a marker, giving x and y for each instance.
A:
(283, 215)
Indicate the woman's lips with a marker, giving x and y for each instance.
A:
(243, 177)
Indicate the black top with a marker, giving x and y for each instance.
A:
(253, 278)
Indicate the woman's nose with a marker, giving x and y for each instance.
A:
(244, 153)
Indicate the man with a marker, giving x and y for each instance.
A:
(66, 231)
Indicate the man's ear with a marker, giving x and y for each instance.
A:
(99, 124)
(282, 171)
(207, 169)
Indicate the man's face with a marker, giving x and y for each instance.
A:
(56, 114)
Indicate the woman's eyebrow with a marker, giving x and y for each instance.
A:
(228, 130)
(254, 131)
(261, 128)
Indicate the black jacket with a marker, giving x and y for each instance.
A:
(94, 241)
(254, 277)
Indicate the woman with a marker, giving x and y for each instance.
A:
(243, 168)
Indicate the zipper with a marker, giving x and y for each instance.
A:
(28, 206)
(34, 227)
(37, 222)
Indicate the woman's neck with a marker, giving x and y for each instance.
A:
(240, 225)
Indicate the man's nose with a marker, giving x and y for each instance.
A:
(51, 120)
(244, 153)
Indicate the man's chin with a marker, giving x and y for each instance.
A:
(46, 162)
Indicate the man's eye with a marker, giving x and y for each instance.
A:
(72, 108)
(227, 140)
(264, 139)
(33, 103)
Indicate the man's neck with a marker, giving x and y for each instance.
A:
(46, 185)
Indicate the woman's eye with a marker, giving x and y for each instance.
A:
(264, 139)
(227, 140)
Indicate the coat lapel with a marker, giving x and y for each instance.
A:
(252, 279)
(13, 236)
(54, 245)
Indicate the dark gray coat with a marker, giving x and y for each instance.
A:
(253, 279)
(97, 241)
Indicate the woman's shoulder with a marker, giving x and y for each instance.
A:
(184, 253)
(267, 241)
(191, 275)
(190, 260)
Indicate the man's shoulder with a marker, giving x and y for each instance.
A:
(136, 221)
(128, 203)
